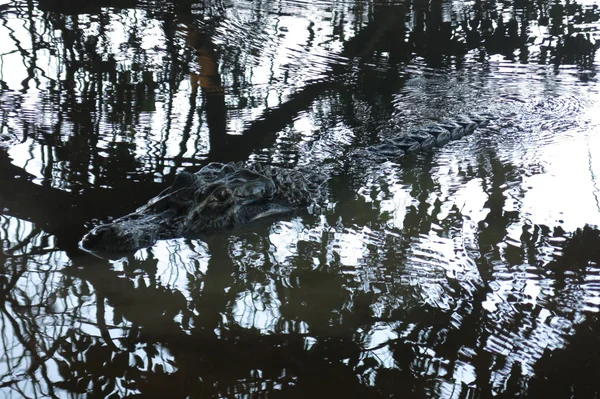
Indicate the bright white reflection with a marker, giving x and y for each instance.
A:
(28, 157)
(376, 342)
(567, 190)
(541, 162)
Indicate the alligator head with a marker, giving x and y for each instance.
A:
(218, 196)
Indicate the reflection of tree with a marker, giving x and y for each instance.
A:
(96, 84)
(152, 339)
(143, 335)
(23, 199)
(32, 313)
(566, 372)
(99, 92)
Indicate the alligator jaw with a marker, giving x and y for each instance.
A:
(254, 212)
(130, 233)
(135, 231)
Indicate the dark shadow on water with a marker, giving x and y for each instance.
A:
(274, 309)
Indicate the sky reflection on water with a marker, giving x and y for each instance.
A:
(436, 276)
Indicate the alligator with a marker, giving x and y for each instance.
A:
(226, 195)
(217, 196)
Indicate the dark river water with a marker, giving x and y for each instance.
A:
(469, 271)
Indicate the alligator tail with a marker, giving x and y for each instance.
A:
(425, 138)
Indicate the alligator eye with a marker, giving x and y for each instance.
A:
(224, 195)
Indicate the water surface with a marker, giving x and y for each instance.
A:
(467, 271)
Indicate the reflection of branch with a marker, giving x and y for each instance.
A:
(23, 316)
(210, 83)
(32, 340)
(100, 316)
(262, 132)
(209, 79)
(23, 242)
(28, 343)
(22, 199)
(591, 169)
(48, 354)
(385, 21)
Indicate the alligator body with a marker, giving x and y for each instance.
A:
(226, 195)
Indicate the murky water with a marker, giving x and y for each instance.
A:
(467, 271)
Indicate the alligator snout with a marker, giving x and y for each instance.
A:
(98, 237)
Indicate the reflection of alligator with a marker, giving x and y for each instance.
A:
(226, 195)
